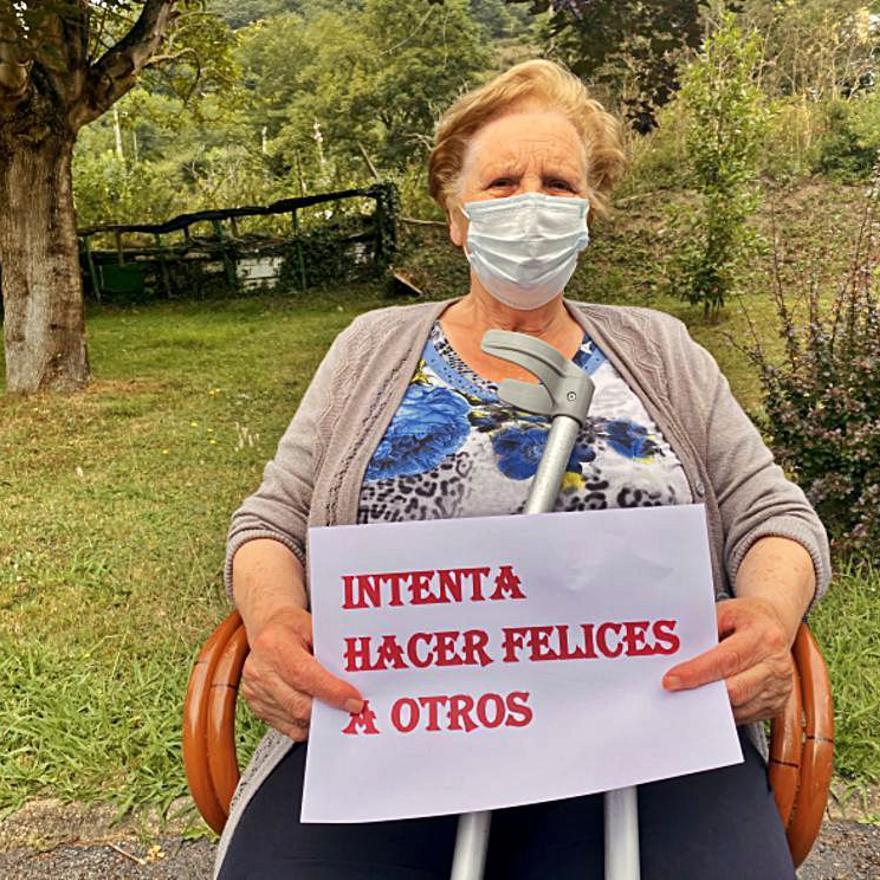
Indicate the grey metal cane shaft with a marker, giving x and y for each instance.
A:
(622, 834)
(551, 468)
(472, 837)
(569, 388)
(471, 844)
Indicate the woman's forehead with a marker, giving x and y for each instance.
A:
(515, 157)
(520, 140)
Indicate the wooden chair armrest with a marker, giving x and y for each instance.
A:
(803, 738)
(209, 757)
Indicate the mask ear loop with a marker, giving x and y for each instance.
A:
(464, 242)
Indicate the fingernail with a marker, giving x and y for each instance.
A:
(671, 682)
(353, 706)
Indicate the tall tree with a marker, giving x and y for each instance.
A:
(817, 48)
(240, 13)
(372, 81)
(630, 46)
(62, 64)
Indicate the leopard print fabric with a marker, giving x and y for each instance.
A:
(454, 449)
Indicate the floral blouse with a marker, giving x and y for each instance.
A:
(454, 449)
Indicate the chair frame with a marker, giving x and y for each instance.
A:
(801, 739)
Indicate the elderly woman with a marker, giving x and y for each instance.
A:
(402, 421)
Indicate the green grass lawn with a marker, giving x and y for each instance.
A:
(112, 531)
(117, 501)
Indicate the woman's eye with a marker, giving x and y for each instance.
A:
(554, 184)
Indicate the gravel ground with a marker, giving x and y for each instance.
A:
(844, 851)
(175, 859)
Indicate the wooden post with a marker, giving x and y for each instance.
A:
(228, 262)
(163, 268)
(299, 171)
(299, 253)
(378, 229)
(90, 262)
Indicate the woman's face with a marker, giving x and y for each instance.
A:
(530, 149)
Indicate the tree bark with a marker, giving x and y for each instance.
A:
(44, 328)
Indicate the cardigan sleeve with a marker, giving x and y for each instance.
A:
(755, 497)
(279, 508)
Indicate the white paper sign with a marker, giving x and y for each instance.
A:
(509, 660)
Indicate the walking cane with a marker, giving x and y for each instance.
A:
(564, 394)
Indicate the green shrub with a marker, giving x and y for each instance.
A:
(108, 189)
(727, 115)
(412, 184)
(658, 159)
(794, 125)
(847, 147)
(822, 402)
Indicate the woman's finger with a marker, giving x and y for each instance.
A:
(278, 698)
(765, 687)
(749, 633)
(762, 708)
(730, 656)
(295, 730)
(309, 676)
(295, 706)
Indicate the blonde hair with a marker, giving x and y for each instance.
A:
(551, 85)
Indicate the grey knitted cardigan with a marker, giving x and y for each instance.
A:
(315, 476)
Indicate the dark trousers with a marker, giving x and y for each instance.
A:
(720, 824)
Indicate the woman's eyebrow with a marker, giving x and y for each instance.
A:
(565, 174)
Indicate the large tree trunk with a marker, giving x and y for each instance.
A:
(49, 89)
(39, 265)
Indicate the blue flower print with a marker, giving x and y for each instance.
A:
(630, 439)
(430, 423)
(581, 454)
(582, 357)
(519, 450)
(589, 357)
(492, 415)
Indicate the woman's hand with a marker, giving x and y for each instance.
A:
(753, 659)
(281, 676)
(775, 583)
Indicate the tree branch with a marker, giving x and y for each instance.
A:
(115, 72)
(75, 35)
(110, 18)
(14, 64)
(173, 56)
(57, 40)
(161, 60)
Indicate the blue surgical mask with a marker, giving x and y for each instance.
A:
(524, 248)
